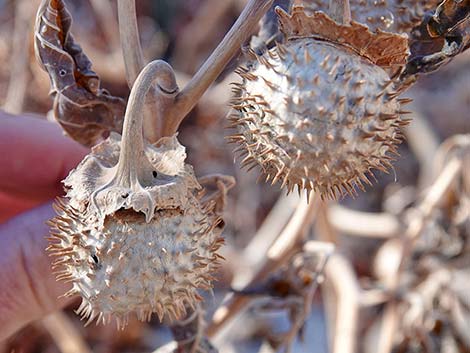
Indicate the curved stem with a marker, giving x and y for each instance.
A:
(134, 62)
(132, 146)
(213, 66)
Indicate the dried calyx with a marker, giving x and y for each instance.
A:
(134, 234)
(390, 15)
(320, 110)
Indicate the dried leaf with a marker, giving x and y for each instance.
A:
(399, 16)
(84, 110)
(382, 48)
(440, 37)
(448, 15)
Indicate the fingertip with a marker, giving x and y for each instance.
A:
(35, 156)
(29, 289)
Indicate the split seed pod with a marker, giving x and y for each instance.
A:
(320, 111)
(134, 234)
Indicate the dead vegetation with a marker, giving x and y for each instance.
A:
(384, 271)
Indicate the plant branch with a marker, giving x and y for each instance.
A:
(343, 313)
(363, 224)
(404, 247)
(157, 73)
(154, 108)
(280, 251)
(213, 66)
(130, 40)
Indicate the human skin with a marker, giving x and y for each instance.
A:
(34, 157)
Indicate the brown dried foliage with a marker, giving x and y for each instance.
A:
(382, 48)
(84, 110)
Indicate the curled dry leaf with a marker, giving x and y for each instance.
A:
(439, 37)
(84, 110)
(448, 16)
(319, 111)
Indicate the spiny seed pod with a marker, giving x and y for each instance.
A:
(133, 234)
(390, 15)
(320, 111)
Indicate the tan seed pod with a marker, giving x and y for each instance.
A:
(133, 234)
(320, 111)
(390, 15)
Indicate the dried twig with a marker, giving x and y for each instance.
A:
(134, 62)
(253, 254)
(279, 252)
(64, 333)
(130, 40)
(214, 65)
(325, 250)
(404, 247)
(343, 314)
(341, 276)
(363, 224)
(188, 335)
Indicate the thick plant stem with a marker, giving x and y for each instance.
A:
(130, 41)
(157, 73)
(213, 66)
(134, 62)
(340, 11)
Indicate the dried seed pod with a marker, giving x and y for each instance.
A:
(390, 15)
(133, 234)
(320, 111)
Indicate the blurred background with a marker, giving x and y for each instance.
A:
(434, 313)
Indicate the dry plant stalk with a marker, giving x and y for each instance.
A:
(134, 62)
(342, 293)
(287, 242)
(404, 247)
(170, 113)
(213, 66)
